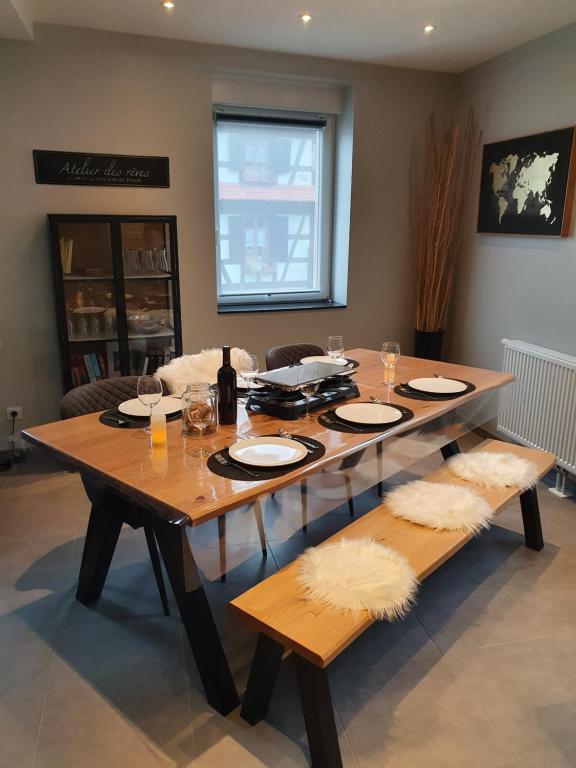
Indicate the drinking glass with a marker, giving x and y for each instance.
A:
(199, 412)
(335, 347)
(248, 367)
(390, 356)
(149, 390)
(308, 390)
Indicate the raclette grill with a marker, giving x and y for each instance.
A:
(282, 398)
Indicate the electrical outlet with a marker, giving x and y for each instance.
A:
(14, 409)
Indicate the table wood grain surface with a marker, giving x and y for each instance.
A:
(182, 489)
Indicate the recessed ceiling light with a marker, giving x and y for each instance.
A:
(168, 4)
(306, 17)
(429, 28)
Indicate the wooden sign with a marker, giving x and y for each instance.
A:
(93, 170)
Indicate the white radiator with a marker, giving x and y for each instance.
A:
(539, 408)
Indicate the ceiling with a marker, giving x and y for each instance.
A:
(379, 31)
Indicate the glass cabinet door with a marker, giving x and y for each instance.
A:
(85, 251)
(147, 262)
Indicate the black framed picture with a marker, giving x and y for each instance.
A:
(527, 185)
(96, 170)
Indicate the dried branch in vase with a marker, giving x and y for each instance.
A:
(439, 189)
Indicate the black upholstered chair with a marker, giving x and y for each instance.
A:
(100, 396)
(277, 357)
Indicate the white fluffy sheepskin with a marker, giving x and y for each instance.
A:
(443, 506)
(494, 470)
(189, 369)
(358, 575)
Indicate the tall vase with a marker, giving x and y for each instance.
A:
(428, 344)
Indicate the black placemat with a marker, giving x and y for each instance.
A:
(132, 423)
(329, 420)
(232, 472)
(411, 394)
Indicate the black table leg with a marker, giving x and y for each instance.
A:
(157, 567)
(531, 519)
(196, 616)
(263, 674)
(318, 714)
(101, 538)
(449, 450)
(379, 457)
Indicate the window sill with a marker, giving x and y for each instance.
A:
(289, 306)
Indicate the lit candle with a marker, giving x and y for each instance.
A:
(158, 434)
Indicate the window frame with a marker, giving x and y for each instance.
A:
(324, 220)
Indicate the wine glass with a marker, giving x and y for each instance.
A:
(200, 413)
(248, 367)
(308, 390)
(390, 356)
(335, 347)
(149, 389)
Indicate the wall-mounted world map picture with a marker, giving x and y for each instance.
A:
(527, 185)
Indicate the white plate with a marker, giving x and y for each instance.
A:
(89, 310)
(167, 405)
(368, 413)
(268, 451)
(324, 359)
(437, 385)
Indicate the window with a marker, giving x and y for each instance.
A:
(273, 188)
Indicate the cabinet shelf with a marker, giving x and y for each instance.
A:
(160, 276)
(74, 278)
(151, 335)
(105, 345)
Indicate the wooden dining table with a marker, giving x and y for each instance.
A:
(168, 489)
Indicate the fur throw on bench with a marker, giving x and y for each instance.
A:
(190, 369)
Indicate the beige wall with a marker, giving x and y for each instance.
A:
(98, 92)
(518, 287)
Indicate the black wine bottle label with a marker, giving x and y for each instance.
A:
(226, 390)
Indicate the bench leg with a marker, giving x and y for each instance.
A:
(263, 674)
(318, 714)
(531, 519)
(449, 450)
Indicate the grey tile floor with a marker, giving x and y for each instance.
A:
(482, 673)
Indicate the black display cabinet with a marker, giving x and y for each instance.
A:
(117, 294)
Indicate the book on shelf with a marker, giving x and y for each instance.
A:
(102, 364)
(95, 366)
(89, 369)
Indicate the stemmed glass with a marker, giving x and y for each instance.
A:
(335, 347)
(248, 367)
(390, 356)
(149, 390)
(308, 390)
(199, 406)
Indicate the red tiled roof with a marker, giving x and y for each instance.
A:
(267, 192)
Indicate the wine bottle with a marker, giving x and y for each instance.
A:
(226, 390)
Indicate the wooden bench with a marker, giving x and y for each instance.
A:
(316, 634)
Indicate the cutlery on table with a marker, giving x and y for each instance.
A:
(309, 447)
(221, 459)
(330, 419)
(407, 388)
(374, 399)
(113, 419)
